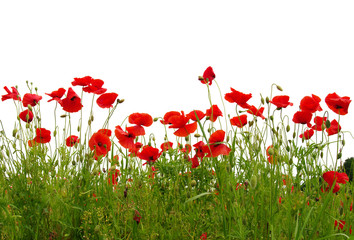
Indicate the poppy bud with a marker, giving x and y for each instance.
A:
(209, 130)
(36, 89)
(149, 143)
(187, 138)
(271, 118)
(197, 135)
(120, 100)
(291, 161)
(343, 142)
(288, 148)
(92, 118)
(253, 181)
(328, 124)
(227, 138)
(262, 100)
(73, 163)
(7, 152)
(78, 128)
(193, 183)
(339, 155)
(14, 132)
(288, 128)
(38, 118)
(89, 122)
(321, 154)
(294, 135)
(279, 88)
(156, 119)
(267, 99)
(271, 151)
(29, 107)
(250, 123)
(323, 126)
(62, 116)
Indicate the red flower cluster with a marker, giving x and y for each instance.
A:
(332, 177)
(180, 122)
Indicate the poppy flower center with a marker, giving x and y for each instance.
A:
(99, 144)
(73, 98)
(151, 158)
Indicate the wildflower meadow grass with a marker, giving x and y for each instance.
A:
(232, 171)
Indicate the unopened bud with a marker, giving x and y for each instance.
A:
(14, 132)
(279, 88)
(271, 151)
(262, 100)
(29, 107)
(78, 128)
(197, 135)
(227, 138)
(288, 148)
(271, 118)
(38, 118)
(250, 123)
(294, 135)
(187, 138)
(120, 100)
(323, 126)
(55, 133)
(156, 119)
(339, 155)
(267, 99)
(343, 142)
(328, 124)
(288, 128)
(63, 116)
(92, 118)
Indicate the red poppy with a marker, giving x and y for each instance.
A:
(72, 102)
(141, 119)
(213, 113)
(281, 101)
(302, 117)
(239, 121)
(238, 98)
(100, 144)
(257, 112)
(105, 131)
(208, 76)
(198, 147)
(335, 177)
(72, 140)
(125, 139)
(179, 121)
(319, 121)
(85, 81)
(137, 217)
(192, 114)
(30, 99)
(42, 135)
(307, 134)
(215, 146)
(149, 154)
(186, 149)
(106, 100)
(26, 116)
(95, 87)
(135, 150)
(195, 161)
(32, 143)
(166, 146)
(334, 128)
(271, 156)
(310, 104)
(56, 95)
(338, 104)
(113, 174)
(11, 95)
(203, 236)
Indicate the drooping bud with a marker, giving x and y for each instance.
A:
(156, 119)
(288, 128)
(328, 124)
(279, 88)
(62, 116)
(120, 100)
(197, 135)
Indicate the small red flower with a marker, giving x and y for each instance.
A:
(95, 87)
(198, 147)
(213, 113)
(340, 225)
(203, 236)
(11, 95)
(332, 177)
(30, 99)
(42, 135)
(281, 101)
(26, 116)
(239, 121)
(215, 146)
(166, 146)
(307, 134)
(149, 154)
(257, 112)
(310, 104)
(208, 76)
(106, 100)
(334, 128)
(137, 217)
(302, 117)
(56, 95)
(100, 144)
(72, 102)
(192, 114)
(72, 140)
(141, 119)
(85, 81)
(238, 98)
(319, 121)
(125, 139)
(338, 104)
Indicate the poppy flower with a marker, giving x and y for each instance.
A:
(208, 76)
(334, 128)
(125, 139)
(271, 156)
(149, 154)
(72, 102)
(32, 143)
(106, 100)
(195, 162)
(310, 104)
(238, 98)
(105, 131)
(239, 121)
(56, 95)
(192, 114)
(332, 177)
(30, 99)
(307, 134)
(95, 87)
(302, 117)
(135, 150)
(26, 116)
(72, 140)
(167, 116)
(338, 104)
(137, 217)
(85, 81)
(256, 112)
(215, 147)
(179, 121)
(198, 147)
(113, 174)
(42, 135)
(213, 113)
(203, 236)
(166, 146)
(141, 119)
(281, 101)
(100, 144)
(319, 122)
(11, 95)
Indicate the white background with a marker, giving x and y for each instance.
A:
(152, 52)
